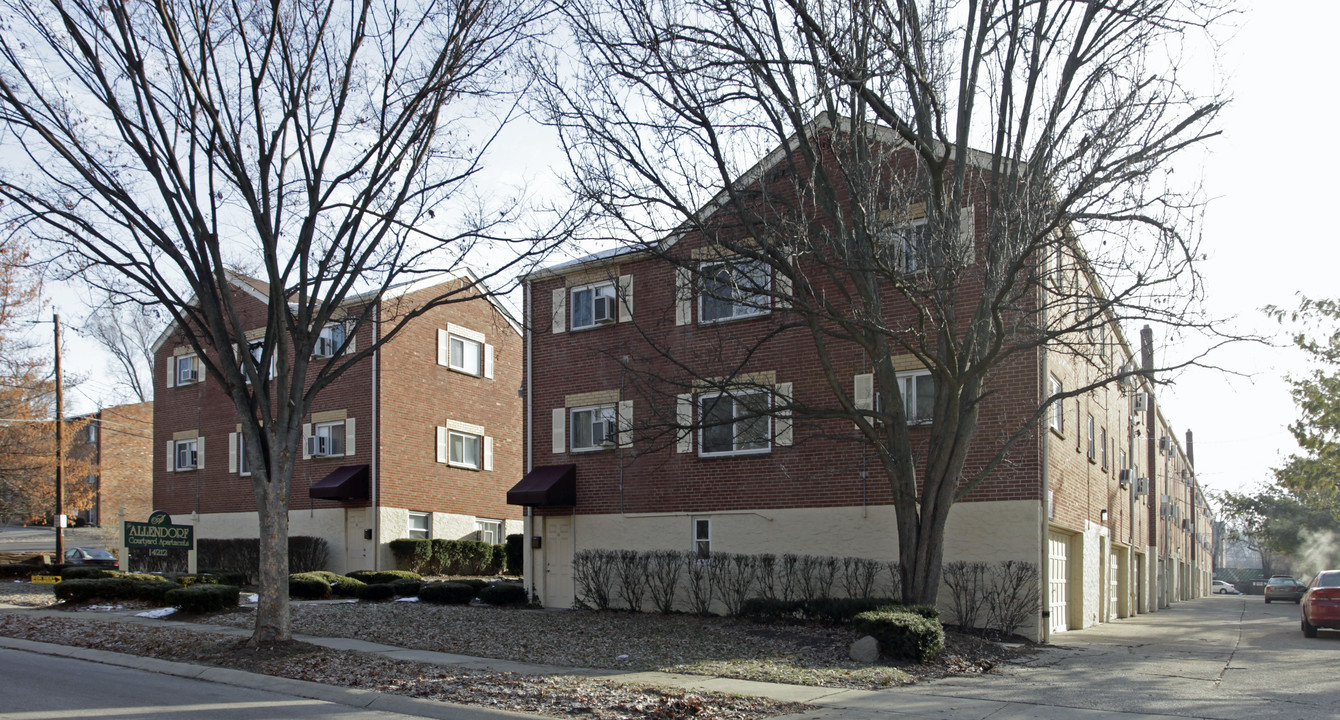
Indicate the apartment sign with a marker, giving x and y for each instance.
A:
(159, 533)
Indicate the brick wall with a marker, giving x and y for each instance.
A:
(125, 476)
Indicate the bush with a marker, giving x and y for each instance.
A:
(497, 559)
(377, 592)
(242, 556)
(86, 572)
(515, 553)
(413, 554)
(376, 577)
(447, 593)
(306, 553)
(308, 586)
(903, 634)
(475, 583)
(771, 609)
(93, 589)
(406, 588)
(154, 592)
(838, 611)
(203, 598)
(503, 594)
(219, 577)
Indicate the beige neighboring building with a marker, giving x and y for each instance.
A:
(117, 443)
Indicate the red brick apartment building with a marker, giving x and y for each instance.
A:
(1100, 496)
(117, 443)
(422, 439)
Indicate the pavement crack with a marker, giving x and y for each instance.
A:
(1236, 643)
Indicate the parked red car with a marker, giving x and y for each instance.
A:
(1321, 604)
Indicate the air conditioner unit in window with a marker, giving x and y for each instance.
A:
(603, 310)
(1140, 402)
(325, 347)
(187, 376)
(1165, 444)
(318, 446)
(1141, 486)
(1127, 476)
(1127, 381)
(602, 433)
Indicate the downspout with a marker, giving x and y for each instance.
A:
(528, 519)
(1044, 539)
(376, 427)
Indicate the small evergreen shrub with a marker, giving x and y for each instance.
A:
(375, 577)
(503, 594)
(377, 592)
(83, 590)
(838, 611)
(406, 588)
(86, 572)
(308, 586)
(515, 551)
(475, 583)
(203, 598)
(771, 609)
(154, 592)
(447, 593)
(903, 634)
(412, 554)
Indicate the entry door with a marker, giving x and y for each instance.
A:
(1112, 588)
(1058, 585)
(558, 550)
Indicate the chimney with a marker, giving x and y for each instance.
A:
(1147, 353)
(1190, 451)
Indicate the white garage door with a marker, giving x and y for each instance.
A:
(1058, 564)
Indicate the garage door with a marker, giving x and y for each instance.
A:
(1058, 563)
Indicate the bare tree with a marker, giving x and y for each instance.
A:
(897, 174)
(127, 332)
(326, 148)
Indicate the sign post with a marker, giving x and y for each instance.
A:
(122, 552)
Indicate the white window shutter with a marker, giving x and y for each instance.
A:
(232, 452)
(683, 296)
(488, 453)
(442, 445)
(560, 310)
(306, 446)
(349, 435)
(199, 453)
(784, 290)
(560, 443)
(171, 456)
(863, 392)
(782, 422)
(488, 361)
(624, 422)
(441, 347)
(172, 371)
(684, 421)
(625, 298)
(352, 340)
(199, 369)
(967, 235)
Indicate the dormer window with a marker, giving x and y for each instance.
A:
(733, 290)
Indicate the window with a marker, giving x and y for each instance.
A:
(187, 455)
(464, 354)
(330, 340)
(465, 449)
(420, 525)
(733, 290)
(187, 370)
(1102, 441)
(489, 531)
(593, 428)
(1092, 453)
(918, 391)
(592, 305)
(1057, 417)
(907, 248)
(327, 439)
(242, 466)
(702, 538)
(734, 425)
(257, 350)
(92, 432)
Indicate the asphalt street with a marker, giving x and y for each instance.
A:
(18, 538)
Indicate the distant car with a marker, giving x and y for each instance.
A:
(1321, 604)
(1284, 588)
(91, 556)
(1220, 587)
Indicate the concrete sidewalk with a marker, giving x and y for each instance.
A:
(921, 701)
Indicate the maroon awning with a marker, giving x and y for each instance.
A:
(548, 486)
(349, 482)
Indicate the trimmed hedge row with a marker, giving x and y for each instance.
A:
(203, 598)
(829, 610)
(903, 634)
(242, 556)
(448, 557)
(376, 577)
(503, 594)
(447, 593)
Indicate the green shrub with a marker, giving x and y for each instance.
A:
(503, 594)
(348, 587)
(199, 579)
(221, 577)
(203, 598)
(447, 593)
(23, 571)
(242, 556)
(375, 577)
(83, 590)
(412, 554)
(475, 558)
(153, 592)
(86, 572)
(839, 611)
(476, 583)
(307, 586)
(406, 588)
(903, 634)
(930, 612)
(771, 609)
(515, 552)
(377, 592)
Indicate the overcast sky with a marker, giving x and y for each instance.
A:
(1269, 177)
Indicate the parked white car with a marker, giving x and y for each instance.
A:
(1220, 587)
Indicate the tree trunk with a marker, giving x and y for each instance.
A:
(272, 614)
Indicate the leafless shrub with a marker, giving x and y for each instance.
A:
(593, 575)
(817, 574)
(967, 583)
(894, 584)
(630, 570)
(734, 579)
(858, 576)
(765, 577)
(699, 583)
(1012, 595)
(664, 567)
(788, 577)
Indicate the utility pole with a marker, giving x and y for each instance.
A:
(60, 450)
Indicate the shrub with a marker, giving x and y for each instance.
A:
(308, 586)
(475, 583)
(93, 588)
(733, 578)
(663, 573)
(771, 609)
(376, 577)
(473, 557)
(858, 576)
(242, 556)
(630, 572)
(700, 585)
(85, 572)
(412, 554)
(515, 553)
(377, 592)
(203, 598)
(903, 634)
(930, 612)
(504, 594)
(497, 559)
(340, 585)
(307, 553)
(218, 577)
(406, 588)
(153, 592)
(967, 583)
(447, 593)
(841, 610)
(593, 576)
(1013, 595)
(25, 570)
